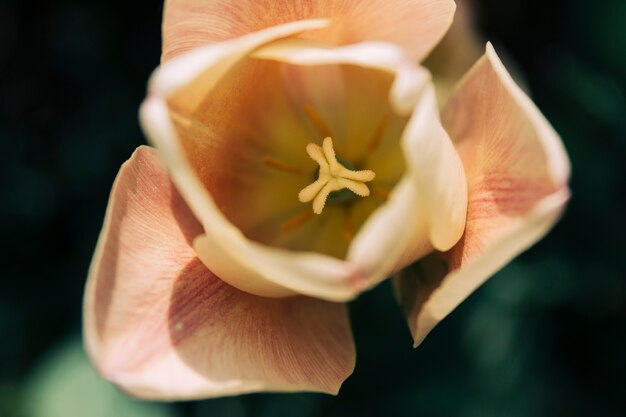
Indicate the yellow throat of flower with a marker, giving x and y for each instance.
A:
(333, 176)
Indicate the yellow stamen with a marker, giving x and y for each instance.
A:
(282, 166)
(332, 177)
(317, 120)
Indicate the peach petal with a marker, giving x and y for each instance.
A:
(162, 326)
(517, 172)
(415, 25)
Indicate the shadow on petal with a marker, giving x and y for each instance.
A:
(144, 211)
(238, 342)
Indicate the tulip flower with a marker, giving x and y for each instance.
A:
(300, 158)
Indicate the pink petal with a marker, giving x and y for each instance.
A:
(416, 25)
(160, 325)
(517, 172)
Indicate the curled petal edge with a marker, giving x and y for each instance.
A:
(517, 191)
(452, 288)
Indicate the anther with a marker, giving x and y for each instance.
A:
(333, 176)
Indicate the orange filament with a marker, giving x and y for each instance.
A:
(381, 192)
(317, 120)
(378, 137)
(282, 166)
(348, 228)
(296, 221)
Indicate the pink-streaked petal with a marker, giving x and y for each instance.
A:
(517, 172)
(160, 325)
(415, 25)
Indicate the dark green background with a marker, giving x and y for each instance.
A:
(545, 337)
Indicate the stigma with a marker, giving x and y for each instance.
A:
(333, 176)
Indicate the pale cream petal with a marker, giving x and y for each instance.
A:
(439, 173)
(415, 25)
(409, 82)
(160, 325)
(517, 172)
(272, 272)
(218, 59)
(392, 237)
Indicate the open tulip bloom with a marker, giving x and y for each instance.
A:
(300, 158)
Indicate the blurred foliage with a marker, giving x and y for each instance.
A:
(545, 337)
(66, 385)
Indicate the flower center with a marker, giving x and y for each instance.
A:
(332, 177)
